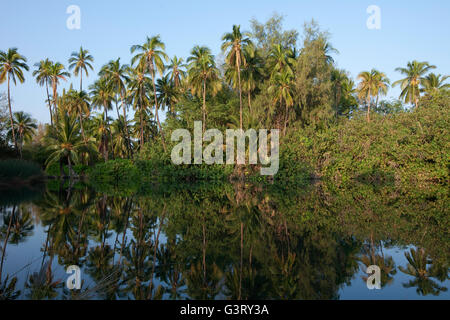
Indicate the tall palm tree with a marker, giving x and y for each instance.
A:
(253, 71)
(235, 42)
(139, 85)
(24, 127)
(415, 75)
(372, 84)
(433, 83)
(281, 90)
(12, 65)
(42, 75)
(202, 72)
(176, 71)
(116, 74)
(381, 86)
(57, 73)
(102, 95)
(78, 104)
(150, 56)
(80, 61)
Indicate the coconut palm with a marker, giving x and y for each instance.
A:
(42, 75)
(81, 61)
(102, 96)
(235, 42)
(57, 73)
(203, 74)
(281, 60)
(139, 84)
(24, 127)
(167, 93)
(116, 75)
(150, 56)
(99, 127)
(12, 65)
(281, 91)
(176, 73)
(66, 143)
(78, 103)
(434, 83)
(372, 84)
(252, 72)
(415, 75)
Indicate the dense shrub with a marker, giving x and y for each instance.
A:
(14, 168)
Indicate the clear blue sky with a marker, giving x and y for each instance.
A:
(410, 29)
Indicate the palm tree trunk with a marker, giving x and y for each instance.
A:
(249, 102)
(204, 105)
(81, 80)
(238, 62)
(82, 128)
(49, 104)
(11, 116)
(156, 106)
(368, 106)
(285, 119)
(55, 107)
(141, 120)
(127, 134)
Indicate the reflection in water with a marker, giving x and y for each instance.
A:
(226, 242)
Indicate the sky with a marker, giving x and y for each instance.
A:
(410, 30)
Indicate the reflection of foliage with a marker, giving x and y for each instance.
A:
(41, 285)
(8, 290)
(417, 267)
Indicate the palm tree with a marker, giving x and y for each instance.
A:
(78, 104)
(253, 71)
(101, 95)
(202, 72)
(415, 75)
(434, 83)
(150, 56)
(42, 75)
(12, 65)
(167, 94)
(24, 127)
(373, 83)
(116, 75)
(57, 73)
(65, 143)
(281, 90)
(381, 86)
(80, 61)
(234, 43)
(176, 71)
(281, 60)
(138, 86)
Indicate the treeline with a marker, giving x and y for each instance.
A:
(267, 79)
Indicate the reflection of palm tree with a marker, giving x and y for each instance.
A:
(386, 264)
(41, 284)
(170, 270)
(8, 290)
(200, 287)
(417, 268)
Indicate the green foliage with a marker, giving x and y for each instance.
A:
(13, 168)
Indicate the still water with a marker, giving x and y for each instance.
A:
(230, 241)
